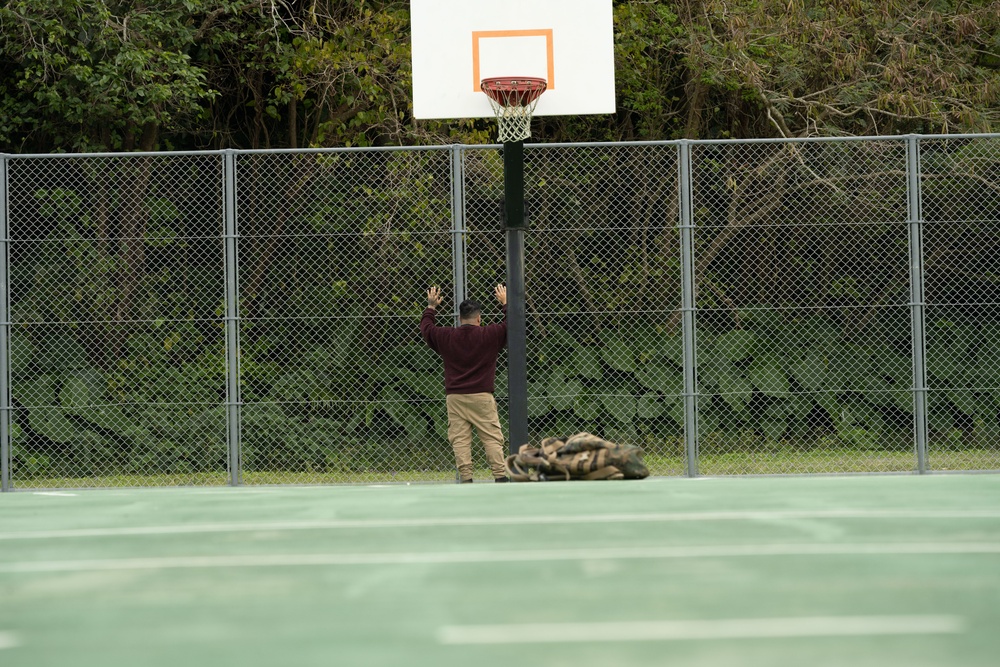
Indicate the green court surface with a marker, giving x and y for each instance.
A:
(857, 571)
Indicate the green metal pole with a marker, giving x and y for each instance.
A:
(915, 220)
(4, 332)
(233, 402)
(688, 329)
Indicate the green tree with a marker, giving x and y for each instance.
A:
(100, 75)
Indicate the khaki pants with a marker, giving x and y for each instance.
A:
(479, 410)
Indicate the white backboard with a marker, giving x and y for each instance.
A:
(457, 43)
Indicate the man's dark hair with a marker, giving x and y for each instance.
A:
(469, 309)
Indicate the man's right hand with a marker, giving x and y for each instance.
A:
(501, 292)
(434, 297)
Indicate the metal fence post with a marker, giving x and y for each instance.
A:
(458, 241)
(515, 222)
(915, 220)
(4, 332)
(688, 309)
(233, 401)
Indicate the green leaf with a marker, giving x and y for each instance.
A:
(767, 374)
(842, 364)
(737, 344)
(895, 367)
(793, 406)
(829, 402)
(587, 407)
(40, 391)
(779, 409)
(964, 400)
(652, 343)
(735, 389)
(294, 386)
(622, 408)
(942, 366)
(566, 424)
(810, 371)
(672, 348)
(621, 433)
(661, 378)
(557, 346)
(560, 336)
(53, 424)
(800, 406)
(862, 438)
(538, 401)
(587, 363)
(708, 421)
(902, 399)
(859, 413)
(84, 389)
(948, 351)
(562, 393)
(389, 374)
(676, 412)
(649, 406)
(22, 356)
(618, 354)
(714, 369)
(403, 414)
(882, 376)
(76, 394)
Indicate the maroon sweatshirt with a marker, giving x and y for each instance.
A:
(469, 352)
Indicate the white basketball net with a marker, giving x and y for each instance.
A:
(513, 121)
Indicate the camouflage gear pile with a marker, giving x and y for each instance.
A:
(582, 456)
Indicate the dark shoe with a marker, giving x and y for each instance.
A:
(465, 481)
(501, 479)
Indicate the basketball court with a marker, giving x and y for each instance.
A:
(752, 571)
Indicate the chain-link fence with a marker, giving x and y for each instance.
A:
(732, 307)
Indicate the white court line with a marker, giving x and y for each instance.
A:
(455, 557)
(8, 640)
(738, 628)
(54, 493)
(339, 524)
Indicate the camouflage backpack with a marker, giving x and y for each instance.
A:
(582, 456)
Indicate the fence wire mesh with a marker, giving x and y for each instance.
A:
(961, 207)
(336, 252)
(116, 345)
(802, 272)
(808, 301)
(602, 260)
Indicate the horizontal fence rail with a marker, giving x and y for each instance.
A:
(732, 307)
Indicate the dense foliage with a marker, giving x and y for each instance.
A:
(187, 74)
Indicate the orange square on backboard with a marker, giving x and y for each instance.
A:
(478, 35)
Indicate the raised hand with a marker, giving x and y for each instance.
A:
(501, 292)
(434, 298)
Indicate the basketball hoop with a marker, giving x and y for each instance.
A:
(513, 100)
